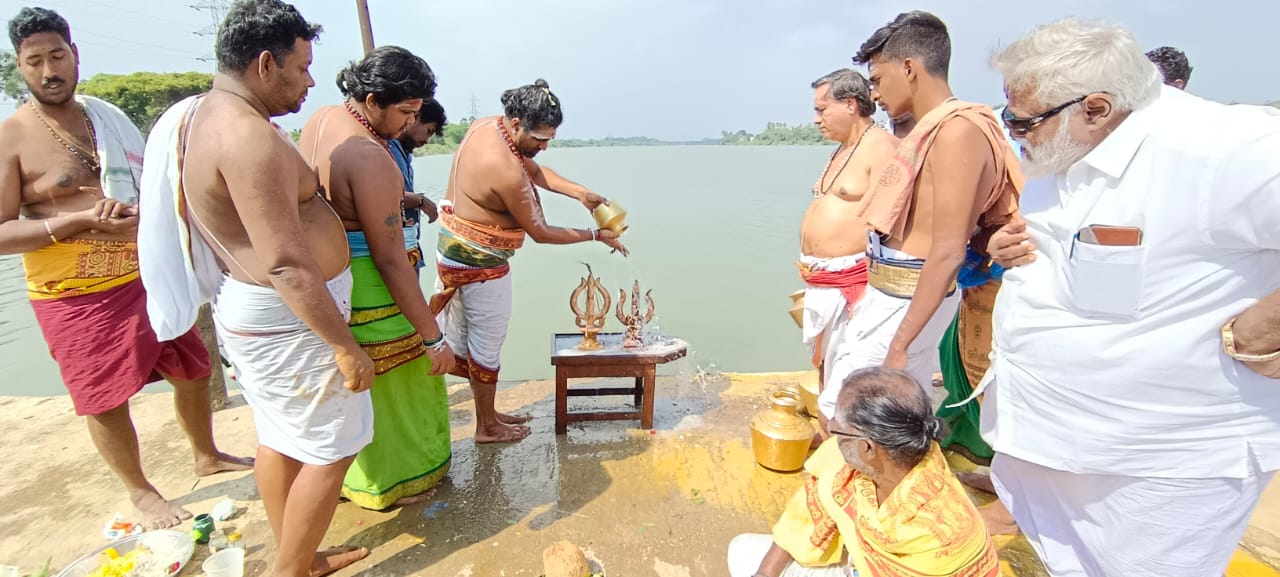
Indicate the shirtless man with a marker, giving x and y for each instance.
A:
(489, 207)
(258, 205)
(60, 213)
(349, 145)
(952, 178)
(833, 239)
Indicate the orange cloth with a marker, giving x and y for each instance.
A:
(887, 205)
(483, 250)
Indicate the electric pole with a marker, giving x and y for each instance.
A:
(366, 29)
(217, 10)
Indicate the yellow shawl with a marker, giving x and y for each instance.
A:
(927, 526)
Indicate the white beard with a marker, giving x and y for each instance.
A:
(1054, 156)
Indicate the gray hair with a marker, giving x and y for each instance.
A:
(893, 411)
(1071, 58)
(848, 83)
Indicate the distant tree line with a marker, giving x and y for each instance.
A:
(446, 141)
(775, 133)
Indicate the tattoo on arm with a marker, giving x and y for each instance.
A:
(393, 220)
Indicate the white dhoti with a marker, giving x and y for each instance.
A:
(864, 340)
(475, 322)
(290, 376)
(748, 550)
(1113, 525)
(826, 313)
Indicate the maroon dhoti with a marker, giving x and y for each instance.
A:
(106, 350)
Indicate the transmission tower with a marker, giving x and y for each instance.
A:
(475, 107)
(217, 10)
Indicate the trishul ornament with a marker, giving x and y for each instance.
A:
(635, 322)
(591, 315)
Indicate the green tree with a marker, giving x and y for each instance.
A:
(143, 96)
(11, 84)
(775, 133)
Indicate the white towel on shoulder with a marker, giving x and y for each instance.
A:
(178, 269)
(120, 149)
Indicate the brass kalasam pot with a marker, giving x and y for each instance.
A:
(797, 308)
(780, 437)
(809, 396)
(611, 216)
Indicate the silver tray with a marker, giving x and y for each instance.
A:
(178, 544)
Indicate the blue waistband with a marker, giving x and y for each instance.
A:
(360, 245)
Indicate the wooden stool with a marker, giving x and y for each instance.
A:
(609, 361)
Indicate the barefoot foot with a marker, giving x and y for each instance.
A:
(500, 433)
(513, 419)
(413, 499)
(979, 481)
(998, 519)
(336, 558)
(221, 463)
(157, 513)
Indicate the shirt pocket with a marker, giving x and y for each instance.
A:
(1104, 281)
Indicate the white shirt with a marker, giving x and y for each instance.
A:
(1108, 359)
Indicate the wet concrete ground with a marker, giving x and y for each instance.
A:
(664, 502)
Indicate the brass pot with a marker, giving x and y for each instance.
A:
(809, 396)
(611, 216)
(797, 308)
(780, 437)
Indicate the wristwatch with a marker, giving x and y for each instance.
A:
(1229, 346)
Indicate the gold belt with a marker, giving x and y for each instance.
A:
(896, 280)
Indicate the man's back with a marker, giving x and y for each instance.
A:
(229, 145)
(483, 164)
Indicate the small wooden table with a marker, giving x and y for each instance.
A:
(609, 361)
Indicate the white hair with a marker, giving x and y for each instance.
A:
(1070, 58)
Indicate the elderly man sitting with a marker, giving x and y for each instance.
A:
(880, 497)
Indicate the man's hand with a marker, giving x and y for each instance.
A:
(611, 238)
(1270, 369)
(411, 201)
(429, 208)
(1010, 246)
(592, 200)
(110, 208)
(896, 359)
(1254, 332)
(356, 368)
(112, 217)
(442, 360)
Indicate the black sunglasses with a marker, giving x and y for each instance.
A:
(1022, 126)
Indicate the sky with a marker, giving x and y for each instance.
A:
(670, 69)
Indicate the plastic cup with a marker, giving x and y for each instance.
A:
(225, 563)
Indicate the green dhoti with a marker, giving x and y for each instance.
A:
(964, 355)
(963, 420)
(411, 450)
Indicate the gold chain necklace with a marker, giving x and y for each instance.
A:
(90, 160)
(817, 186)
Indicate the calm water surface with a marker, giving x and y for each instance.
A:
(714, 233)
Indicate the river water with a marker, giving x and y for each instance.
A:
(714, 233)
